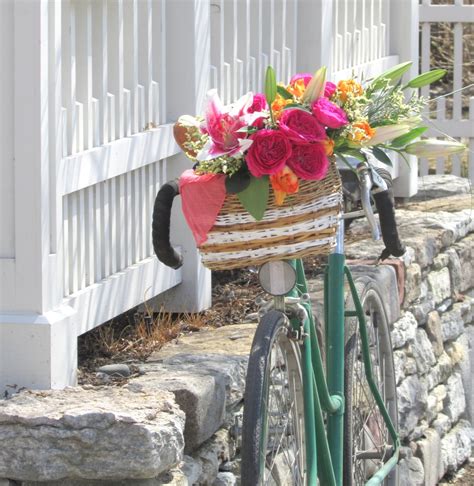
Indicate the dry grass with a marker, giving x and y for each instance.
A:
(133, 337)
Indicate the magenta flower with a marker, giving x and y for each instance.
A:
(223, 124)
(329, 89)
(259, 103)
(306, 77)
(268, 153)
(308, 161)
(329, 114)
(301, 126)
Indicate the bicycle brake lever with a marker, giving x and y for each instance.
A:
(366, 186)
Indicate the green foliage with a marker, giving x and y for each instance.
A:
(408, 137)
(255, 197)
(380, 155)
(426, 78)
(393, 74)
(284, 93)
(270, 85)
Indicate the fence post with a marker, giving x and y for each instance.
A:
(187, 79)
(37, 345)
(314, 35)
(404, 32)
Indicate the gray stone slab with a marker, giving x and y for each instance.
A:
(111, 434)
(200, 394)
(456, 446)
(441, 185)
(429, 451)
(404, 330)
(412, 396)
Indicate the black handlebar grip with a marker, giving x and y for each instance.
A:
(386, 208)
(161, 225)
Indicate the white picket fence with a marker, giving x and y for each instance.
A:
(89, 93)
(456, 122)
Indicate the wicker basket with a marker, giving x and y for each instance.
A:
(304, 225)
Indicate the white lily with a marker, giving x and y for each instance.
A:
(388, 132)
(434, 148)
(315, 87)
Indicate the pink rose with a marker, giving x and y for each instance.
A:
(329, 89)
(301, 126)
(308, 161)
(329, 114)
(259, 103)
(306, 77)
(268, 153)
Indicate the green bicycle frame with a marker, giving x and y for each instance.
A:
(325, 394)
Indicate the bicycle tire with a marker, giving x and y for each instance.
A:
(273, 442)
(364, 428)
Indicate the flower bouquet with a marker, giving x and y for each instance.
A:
(264, 185)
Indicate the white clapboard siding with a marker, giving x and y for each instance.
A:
(458, 122)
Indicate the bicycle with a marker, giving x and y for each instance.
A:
(301, 423)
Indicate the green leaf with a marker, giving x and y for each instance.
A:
(426, 78)
(391, 74)
(356, 153)
(408, 137)
(284, 93)
(238, 182)
(255, 197)
(295, 106)
(270, 85)
(379, 154)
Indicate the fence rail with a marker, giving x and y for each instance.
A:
(450, 115)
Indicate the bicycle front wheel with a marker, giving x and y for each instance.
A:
(273, 440)
(367, 444)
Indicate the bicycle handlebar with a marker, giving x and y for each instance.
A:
(384, 202)
(161, 225)
(365, 187)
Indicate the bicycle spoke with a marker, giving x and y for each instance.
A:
(284, 445)
(370, 439)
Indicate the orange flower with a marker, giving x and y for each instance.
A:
(349, 87)
(284, 182)
(329, 146)
(278, 105)
(361, 132)
(297, 88)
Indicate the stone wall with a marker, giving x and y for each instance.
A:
(434, 360)
(433, 340)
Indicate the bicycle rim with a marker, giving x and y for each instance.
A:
(273, 442)
(368, 444)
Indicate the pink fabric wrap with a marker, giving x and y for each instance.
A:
(202, 199)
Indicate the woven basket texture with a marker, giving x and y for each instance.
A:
(304, 225)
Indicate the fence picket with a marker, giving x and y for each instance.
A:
(456, 124)
(100, 67)
(98, 240)
(458, 69)
(116, 65)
